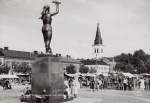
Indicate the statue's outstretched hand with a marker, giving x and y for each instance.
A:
(56, 2)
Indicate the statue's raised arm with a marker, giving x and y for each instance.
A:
(57, 8)
(46, 17)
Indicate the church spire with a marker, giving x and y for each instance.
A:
(98, 39)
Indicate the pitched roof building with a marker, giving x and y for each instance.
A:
(99, 65)
(6, 53)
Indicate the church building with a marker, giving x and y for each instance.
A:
(99, 62)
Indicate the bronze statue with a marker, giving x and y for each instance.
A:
(47, 29)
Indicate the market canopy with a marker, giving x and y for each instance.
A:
(145, 74)
(8, 76)
(126, 75)
(71, 75)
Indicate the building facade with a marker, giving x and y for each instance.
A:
(100, 66)
(10, 57)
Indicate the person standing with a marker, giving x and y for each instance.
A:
(147, 83)
(142, 84)
(74, 87)
(100, 84)
(125, 83)
(92, 83)
(130, 84)
(105, 83)
(67, 86)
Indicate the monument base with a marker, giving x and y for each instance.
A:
(48, 75)
(54, 101)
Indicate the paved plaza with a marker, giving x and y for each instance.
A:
(86, 96)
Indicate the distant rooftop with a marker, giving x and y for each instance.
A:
(31, 56)
(93, 62)
(16, 54)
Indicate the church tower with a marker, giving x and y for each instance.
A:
(98, 46)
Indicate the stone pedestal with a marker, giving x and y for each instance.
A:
(47, 73)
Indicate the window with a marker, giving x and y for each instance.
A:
(97, 51)
(101, 50)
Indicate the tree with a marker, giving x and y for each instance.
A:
(119, 66)
(84, 69)
(71, 69)
(92, 70)
(141, 68)
(140, 55)
(4, 69)
(148, 67)
(22, 68)
(138, 62)
(129, 68)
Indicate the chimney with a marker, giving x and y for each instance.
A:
(35, 52)
(57, 54)
(60, 55)
(67, 56)
(5, 48)
(1, 49)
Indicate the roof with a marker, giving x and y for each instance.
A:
(69, 60)
(17, 54)
(109, 58)
(93, 62)
(126, 75)
(62, 58)
(98, 39)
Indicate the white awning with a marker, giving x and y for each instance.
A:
(8, 76)
(128, 75)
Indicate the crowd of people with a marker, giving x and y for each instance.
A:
(119, 83)
(26, 93)
(6, 84)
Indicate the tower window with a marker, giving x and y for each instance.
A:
(97, 51)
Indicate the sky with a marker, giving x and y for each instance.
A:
(124, 26)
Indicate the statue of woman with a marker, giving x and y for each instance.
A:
(47, 29)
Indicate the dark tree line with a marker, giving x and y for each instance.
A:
(137, 63)
(4, 69)
(22, 68)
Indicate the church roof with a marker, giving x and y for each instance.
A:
(98, 39)
(17, 54)
(93, 62)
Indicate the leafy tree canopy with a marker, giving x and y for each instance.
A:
(71, 69)
(84, 69)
